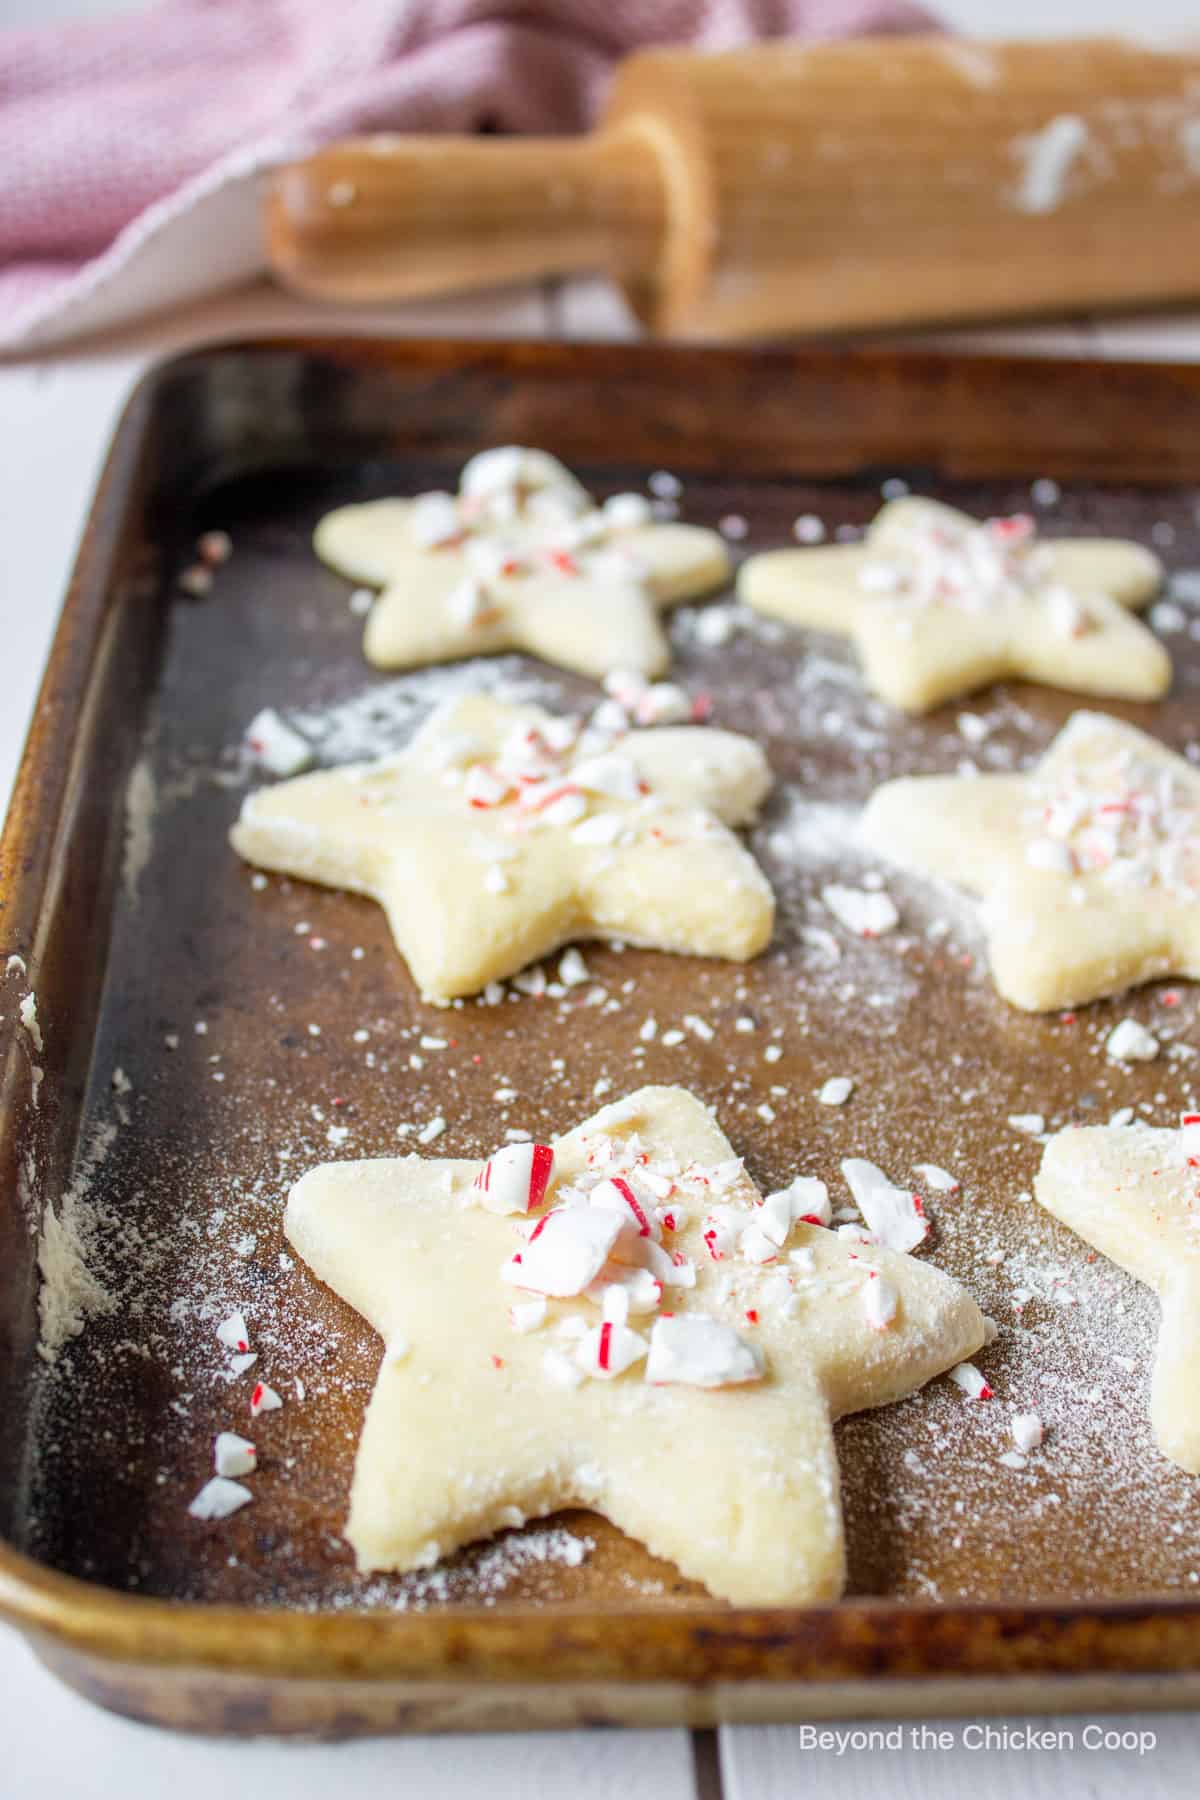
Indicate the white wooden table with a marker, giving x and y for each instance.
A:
(58, 415)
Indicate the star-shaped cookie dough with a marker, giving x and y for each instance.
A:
(1134, 1193)
(1088, 865)
(520, 559)
(938, 605)
(700, 1424)
(502, 832)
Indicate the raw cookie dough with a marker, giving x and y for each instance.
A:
(715, 1450)
(1134, 1193)
(502, 832)
(938, 605)
(520, 559)
(1088, 865)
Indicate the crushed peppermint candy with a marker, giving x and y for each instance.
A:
(940, 1180)
(996, 566)
(514, 1179)
(264, 1399)
(1030, 1124)
(219, 1498)
(1125, 819)
(274, 746)
(610, 1348)
(868, 914)
(881, 1301)
(233, 1333)
(697, 1351)
(966, 1376)
(565, 1251)
(895, 1216)
(1131, 1042)
(1027, 1431)
(836, 1091)
(233, 1455)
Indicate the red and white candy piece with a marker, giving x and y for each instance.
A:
(1189, 1137)
(880, 1301)
(219, 1498)
(233, 1333)
(940, 1180)
(565, 1251)
(805, 1199)
(868, 914)
(696, 1351)
(483, 788)
(613, 775)
(264, 1399)
(233, 1455)
(275, 746)
(642, 1291)
(514, 1179)
(637, 1221)
(895, 1216)
(609, 1349)
(967, 1377)
(669, 1267)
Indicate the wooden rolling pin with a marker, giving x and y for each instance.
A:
(792, 188)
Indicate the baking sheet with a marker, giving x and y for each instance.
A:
(234, 1032)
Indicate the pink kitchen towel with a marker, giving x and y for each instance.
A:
(134, 149)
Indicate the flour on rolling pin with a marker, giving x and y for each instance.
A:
(1053, 160)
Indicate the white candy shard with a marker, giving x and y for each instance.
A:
(609, 1349)
(275, 746)
(1069, 617)
(697, 1351)
(264, 1399)
(233, 1455)
(895, 1216)
(625, 511)
(1027, 1431)
(880, 1301)
(641, 1289)
(234, 1334)
(967, 1377)
(434, 520)
(1031, 1124)
(869, 914)
(940, 1180)
(218, 1498)
(561, 1370)
(565, 1251)
(514, 1179)
(528, 1315)
(572, 970)
(1131, 1042)
(239, 1364)
(836, 1091)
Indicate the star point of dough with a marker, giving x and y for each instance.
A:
(1133, 1192)
(502, 832)
(938, 605)
(520, 559)
(470, 1428)
(1088, 865)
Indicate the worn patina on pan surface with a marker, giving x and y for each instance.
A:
(972, 1587)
